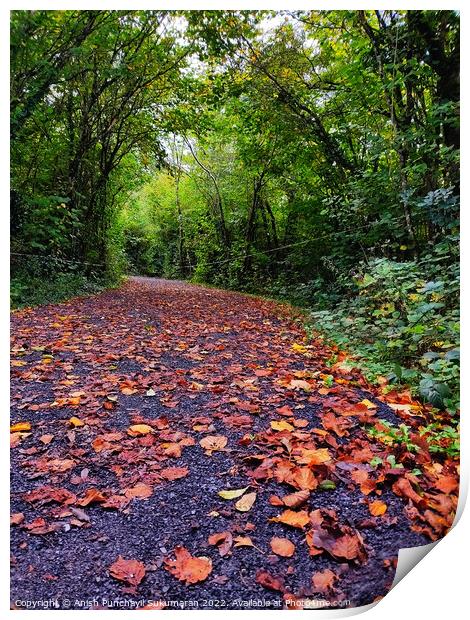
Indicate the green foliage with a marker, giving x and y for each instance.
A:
(402, 320)
(26, 290)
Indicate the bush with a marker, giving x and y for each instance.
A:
(401, 319)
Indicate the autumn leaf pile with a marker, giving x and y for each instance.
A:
(119, 397)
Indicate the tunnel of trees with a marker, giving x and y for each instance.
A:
(305, 155)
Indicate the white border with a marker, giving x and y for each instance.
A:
(439, 583)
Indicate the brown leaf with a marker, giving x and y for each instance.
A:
(282, 546)
(268, 581)
(303, 479)
(223, 540)
(116, 502)
(129, 571)
(46, 439)
(188, 568)
(324, 580)
(47, 495)
(403, 488)
(349, 546)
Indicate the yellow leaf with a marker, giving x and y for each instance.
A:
(281, 425)
(232, 494)
(368, 404)
(139, 429)
(76, 421)
(377, 508)
(20, 426)
(246, 502)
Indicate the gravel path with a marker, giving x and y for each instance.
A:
(189, 362)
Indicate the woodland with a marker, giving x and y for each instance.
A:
(234, 215)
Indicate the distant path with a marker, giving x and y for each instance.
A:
(191, 362)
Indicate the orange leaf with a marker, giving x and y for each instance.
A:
(92, 496)
(129, 571)
(243, 541)
(46, 439)
(139, 429)
(173, 473)
(283, 547)
(20, 427)
(188, 568)
(16, 518)
(377, 508)
(447, 484)
(292, 518)
(139, 491)
(304, 479)
(211, 443)
(294, 500)
(403, 488)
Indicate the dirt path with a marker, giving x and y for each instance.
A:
(185, 363)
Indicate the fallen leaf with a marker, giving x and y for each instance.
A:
(16, 518)
(304, 479)
(211, 443)
(92, 496)
(246, 502)
(294, 500)
(292, 518)
(243, 541)
(447, 484)
(377, 508)
(139, 491)
(281, 425)
(46, 439)
(129, 571)
(74, 421)
(139, 429)
(188, 568)
(403, 488)
(47, 495)
(20, 427)
(223, 540)
(174, 473)
(324, 581)
(232, 493)
(283, 547)
(268, 581)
